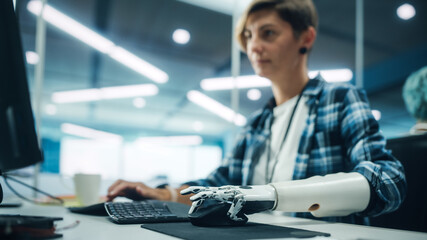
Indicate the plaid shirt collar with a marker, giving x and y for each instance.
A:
(311, 91)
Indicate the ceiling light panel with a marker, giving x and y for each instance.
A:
(181, 36)
(171, 140)
(96, 94)
(32, 57)
(226, 83)
(137, 64)
(85, 132)
(95, 40)
(71, 26)
(254, 94)
(139, 102)
(216, 108)
(406, 11)
(254, 81)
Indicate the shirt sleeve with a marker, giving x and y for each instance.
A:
(365, 148)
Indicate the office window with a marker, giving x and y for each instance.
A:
(153, 164)
(174, 164)
(89, 156)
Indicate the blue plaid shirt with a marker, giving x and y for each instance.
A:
(341, 135)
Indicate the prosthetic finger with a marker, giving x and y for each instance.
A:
(202, 195)
(195, 205)
(224, 196)
(194, 189)
(236, 207)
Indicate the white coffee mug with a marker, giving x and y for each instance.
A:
(86, 187)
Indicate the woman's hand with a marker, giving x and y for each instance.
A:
(136, 191)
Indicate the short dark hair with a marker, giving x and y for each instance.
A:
(300, 14)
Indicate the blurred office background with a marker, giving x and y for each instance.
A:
(159, 127)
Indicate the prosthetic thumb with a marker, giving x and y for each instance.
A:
(338, 194)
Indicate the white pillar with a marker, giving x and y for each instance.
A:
(235, 61)
(359, 43)
(38, 82)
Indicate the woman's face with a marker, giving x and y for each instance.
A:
(270, 44)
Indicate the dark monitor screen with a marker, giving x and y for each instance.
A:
(18, 142)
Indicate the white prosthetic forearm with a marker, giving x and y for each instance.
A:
(338, 194)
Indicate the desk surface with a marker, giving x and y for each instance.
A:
(91, 227)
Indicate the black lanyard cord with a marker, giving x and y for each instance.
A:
(276, 157)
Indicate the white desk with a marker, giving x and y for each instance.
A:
(101, 228)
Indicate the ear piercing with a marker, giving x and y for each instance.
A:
(303, 50)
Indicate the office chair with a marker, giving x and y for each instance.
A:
(412, 215)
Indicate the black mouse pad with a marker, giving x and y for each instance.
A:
(188, 231)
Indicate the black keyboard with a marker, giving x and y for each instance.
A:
(147, 211)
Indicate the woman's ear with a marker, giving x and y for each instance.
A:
(308, 37)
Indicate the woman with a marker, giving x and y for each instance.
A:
(314, 148)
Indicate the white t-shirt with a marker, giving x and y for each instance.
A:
(286, 156)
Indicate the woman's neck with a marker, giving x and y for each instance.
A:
(288, 86)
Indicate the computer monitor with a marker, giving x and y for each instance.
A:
(18, 141)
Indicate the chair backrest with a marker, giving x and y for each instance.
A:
(412, 215)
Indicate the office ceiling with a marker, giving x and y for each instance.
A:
(145, 28)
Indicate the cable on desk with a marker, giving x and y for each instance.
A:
(7, 177)
(71, 226)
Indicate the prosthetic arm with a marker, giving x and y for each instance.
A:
(337, 194)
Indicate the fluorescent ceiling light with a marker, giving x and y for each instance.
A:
(129, 91)
(32, 57)
(171, 140)
(198, 126)
(97, 41)
(406, 11)
(334, 75)
(254, 94)
(85, 132)
(139, 102)
(254, 81)
(86, 95)
(377, 114)
(226, 83)
(216, 107)
(96, 94)
(222, 6)
(181, 36)
(51, 109)
(71, 26)
(135, 63)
